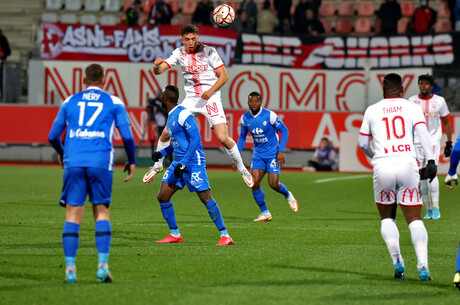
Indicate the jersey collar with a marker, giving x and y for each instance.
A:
(426, 99)
(173, 110)
(257, 114)
(198, 47)
(93, 88)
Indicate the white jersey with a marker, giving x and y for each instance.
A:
(434, 109)
(198, 68)
(391, 123)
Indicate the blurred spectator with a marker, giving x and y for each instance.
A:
(424, 18)
(161, 13)
(324, 159)
(456, 15)
(266, 20)
(312, 26)
(283, 9)
(4, 53)
(389, 14)
(241, 23)
(203, 12)
(300, 13)
(251, 10)
(132, 13)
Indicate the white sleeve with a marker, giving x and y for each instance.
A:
(214, 58)
(422, 135)
(172, 59)
(183, 115)
(444, 111)
(365, 128)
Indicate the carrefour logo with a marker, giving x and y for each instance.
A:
(257, 131)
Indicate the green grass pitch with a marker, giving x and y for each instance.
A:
(330, 252)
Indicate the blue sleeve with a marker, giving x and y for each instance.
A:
(195, 139)
(279, 126)
(121, 116)
(128, 142)
(242, 138)
(454, 158)
(54, 137)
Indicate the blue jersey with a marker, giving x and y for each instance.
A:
(185, 137)
(264, 127)
(90, 117)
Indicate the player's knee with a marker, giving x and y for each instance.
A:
(274, 185)
(162, 198)
(256, 186)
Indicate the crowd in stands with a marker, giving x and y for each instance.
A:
(298, 17)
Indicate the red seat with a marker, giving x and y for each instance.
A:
(403, 23)
(327, 24)
(346, 9)
(407, 9)
(366, 9)
(363, 26)
(234, 5)
(148, 6)
(443, 11)
(442, 26)
(174, 6)
(327, 9)
(188, 7)
(127, 4)
(343, 26)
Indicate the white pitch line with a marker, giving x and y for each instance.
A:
(341, 178)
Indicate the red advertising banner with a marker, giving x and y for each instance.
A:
(82, 42)
(31, 125)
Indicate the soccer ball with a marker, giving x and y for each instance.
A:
(223, 15)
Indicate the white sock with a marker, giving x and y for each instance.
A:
(70, 269)
(419, 237)
(234, 154)
(390, 235)
(161, 145)
(434, 191)
(424, 188)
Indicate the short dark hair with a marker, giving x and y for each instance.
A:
(427, 77)
(254, 93)
(94, 73)
(392, 80)
(189, 28)
(171, 93)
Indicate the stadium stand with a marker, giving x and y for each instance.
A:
(442, 26)
(407, 9)
(92, 5)
(108, 20)
(343, 26)
(346, 9)
(327, 9)
(443, 11)
(53, 5)
(88, 19)
(327, 24)
(68, 18)
(403, 24)
(188, 7)
(112, 6)
(366, 9)
(51, 17)
(73, 5)
(175, 6)
(363, 26)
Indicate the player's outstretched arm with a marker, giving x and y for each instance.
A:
(159, 66)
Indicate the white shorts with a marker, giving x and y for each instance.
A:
(396, 181)
(212, 109)
(421, 159)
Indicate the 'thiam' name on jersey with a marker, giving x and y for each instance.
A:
(391, 123)
(198, 68)
(434, 109)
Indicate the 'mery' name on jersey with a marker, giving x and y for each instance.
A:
(391, 123)
(434, 109)
(198, 68)
(262, 127)
(177, 129)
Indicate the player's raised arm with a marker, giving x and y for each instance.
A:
(160, 66)
(222, 78)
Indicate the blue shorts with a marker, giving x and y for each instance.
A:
(82, 181)
(194, 177)
(270, 165)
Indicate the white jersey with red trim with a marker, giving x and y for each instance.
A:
(198, 68)
(391, 123)
(434, 109)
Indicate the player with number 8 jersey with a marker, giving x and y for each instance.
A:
(392, 122)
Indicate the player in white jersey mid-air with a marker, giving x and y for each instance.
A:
(435, 109)
(392, 122)
(204, 74)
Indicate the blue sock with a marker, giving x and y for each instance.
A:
(283, 190)
(103, 239)
(70, 242)
(216, 216)
(458, 259)
(259, 197)
(454, 159)
(167, 209)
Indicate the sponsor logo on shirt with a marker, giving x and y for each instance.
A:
(196, 68)
(85, 134)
